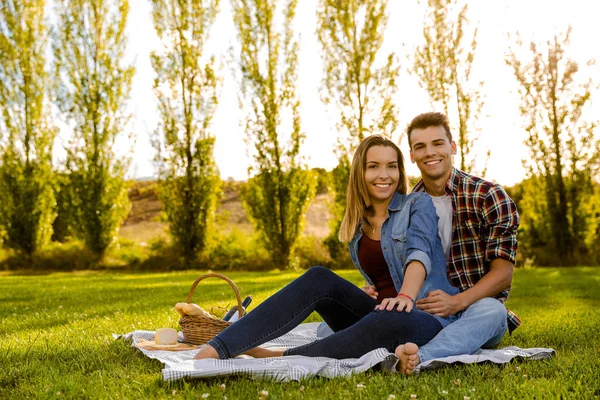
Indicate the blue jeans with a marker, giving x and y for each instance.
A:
(343, 306)
(481, 325)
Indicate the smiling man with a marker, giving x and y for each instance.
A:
(478, 225)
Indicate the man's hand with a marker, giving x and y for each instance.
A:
(371, 291)
(440, 303)
(400, 303)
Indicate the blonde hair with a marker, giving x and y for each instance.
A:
(357, 196)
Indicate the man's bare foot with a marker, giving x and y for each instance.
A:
(409, 359)
(207, 351)
(259, 352)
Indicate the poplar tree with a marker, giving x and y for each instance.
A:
(359, 85)
(26, 130)
(186, 86)
(93, 86)
(277, 196)
(444, 64)
(561, 214)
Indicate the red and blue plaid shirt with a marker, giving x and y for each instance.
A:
(484, 227)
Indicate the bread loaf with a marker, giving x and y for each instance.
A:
(179, 308)
(194, 309)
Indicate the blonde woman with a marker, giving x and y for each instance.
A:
(393, 241)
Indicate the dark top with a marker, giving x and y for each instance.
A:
(371, 259)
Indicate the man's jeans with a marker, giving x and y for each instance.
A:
(481, 325)
(343, 306)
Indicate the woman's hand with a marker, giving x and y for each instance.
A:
(401, 303)
(371, 291)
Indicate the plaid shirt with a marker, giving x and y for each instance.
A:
(484, 227)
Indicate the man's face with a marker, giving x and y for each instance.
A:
(432, 152)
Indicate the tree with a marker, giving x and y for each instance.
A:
(186, 88)
(26, 179)
(278, 195)
(564, 156)
(443, 64)
(357, 85)
(94, 84)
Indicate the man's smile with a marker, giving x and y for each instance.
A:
(432, 162)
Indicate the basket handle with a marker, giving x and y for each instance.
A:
(214, 275)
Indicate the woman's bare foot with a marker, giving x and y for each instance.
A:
(259, 352)
(207, 351)
(407, 353)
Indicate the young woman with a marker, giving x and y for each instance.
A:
(394, 243)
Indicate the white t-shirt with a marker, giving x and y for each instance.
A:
(443, 208)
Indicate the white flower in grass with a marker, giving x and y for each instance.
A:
(302, 388)
(391, 397)
(264, 394)
(360, 386)
(444, 392)
(205, 395)
(222, 386)
(413, 396)
(466, 398)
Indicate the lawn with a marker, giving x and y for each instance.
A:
(55, 340)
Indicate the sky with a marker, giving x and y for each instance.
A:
(500, 123)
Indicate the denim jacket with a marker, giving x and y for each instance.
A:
(411, 233)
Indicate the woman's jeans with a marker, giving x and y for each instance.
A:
(343, 306)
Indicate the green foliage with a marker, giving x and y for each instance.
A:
(561, 211)
(89, 46)
(443, 65)
(310, 251)
(278, 195)
(351, 33)
(236, 251)
(65, 224)
(323, 180)
(56, 339)
(26, 133)
(537, 242)
(357, 86)
(186, 87)
(339, 178)
(277, 205)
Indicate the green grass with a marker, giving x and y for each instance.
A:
(55, 340)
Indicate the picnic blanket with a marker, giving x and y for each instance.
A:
(180, 364)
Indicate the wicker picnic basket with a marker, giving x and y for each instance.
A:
(199, 329)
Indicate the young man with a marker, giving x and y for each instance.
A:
(478, 227)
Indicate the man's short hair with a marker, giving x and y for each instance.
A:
(426, 120)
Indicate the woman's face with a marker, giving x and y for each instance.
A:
(381, 173)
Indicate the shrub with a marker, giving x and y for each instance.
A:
(236, 251)
(311, 251)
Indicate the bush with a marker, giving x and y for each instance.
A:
(311, 251)
(236, 251)
(54, 257)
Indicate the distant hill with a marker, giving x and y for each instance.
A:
(144, 221)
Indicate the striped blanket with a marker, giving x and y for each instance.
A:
(181, 364)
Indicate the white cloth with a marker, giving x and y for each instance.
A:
(181, 364)
(443, 209)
